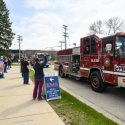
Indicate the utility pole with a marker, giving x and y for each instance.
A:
(65, 35)
(61, 43)
(19, 39)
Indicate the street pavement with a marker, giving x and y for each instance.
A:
(17, 106)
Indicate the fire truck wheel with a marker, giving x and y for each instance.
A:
(96, 82)
(61, 73)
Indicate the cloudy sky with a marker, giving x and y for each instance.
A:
(40, 22)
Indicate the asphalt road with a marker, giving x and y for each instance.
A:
(111, 102)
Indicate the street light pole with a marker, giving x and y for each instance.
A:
(61, 43)
(19, 39)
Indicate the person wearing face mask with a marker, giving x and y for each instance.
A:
(39, 77)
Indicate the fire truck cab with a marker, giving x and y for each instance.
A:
(100, 60)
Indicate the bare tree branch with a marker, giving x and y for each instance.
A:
(96, 27)
(114, 24)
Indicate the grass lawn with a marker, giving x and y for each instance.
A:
(74, 112)
(31, 74)
(15, 64)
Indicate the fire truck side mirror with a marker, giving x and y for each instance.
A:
(108, 47)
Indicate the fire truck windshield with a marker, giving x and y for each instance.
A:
(120, 47)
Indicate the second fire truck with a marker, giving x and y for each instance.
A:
(100, 60)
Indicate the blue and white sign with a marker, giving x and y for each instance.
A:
(52, 88)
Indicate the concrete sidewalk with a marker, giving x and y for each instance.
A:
(17, 106)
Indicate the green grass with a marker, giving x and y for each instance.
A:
(74, 112)
(15, 64)
(31, 74)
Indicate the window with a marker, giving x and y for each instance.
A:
(86, 46)
(104, 43)
(120, 47)
(93, 45)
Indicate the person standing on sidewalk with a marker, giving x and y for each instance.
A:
(39, 77)
(5, 64)
(9, 63)
(1, 67)
(25, 71)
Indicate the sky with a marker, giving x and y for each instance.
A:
(40, 22)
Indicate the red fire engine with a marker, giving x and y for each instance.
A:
(100, 60)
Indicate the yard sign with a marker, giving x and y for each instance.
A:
(52, 88)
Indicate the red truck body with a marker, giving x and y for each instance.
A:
(100, 60)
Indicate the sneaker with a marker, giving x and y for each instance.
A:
(26, 83)
(44, 97)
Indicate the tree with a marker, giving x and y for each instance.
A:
(99, 25)
(92, 28)
(114, 24)
(6, 34)
(111, 26)
(96, 27)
